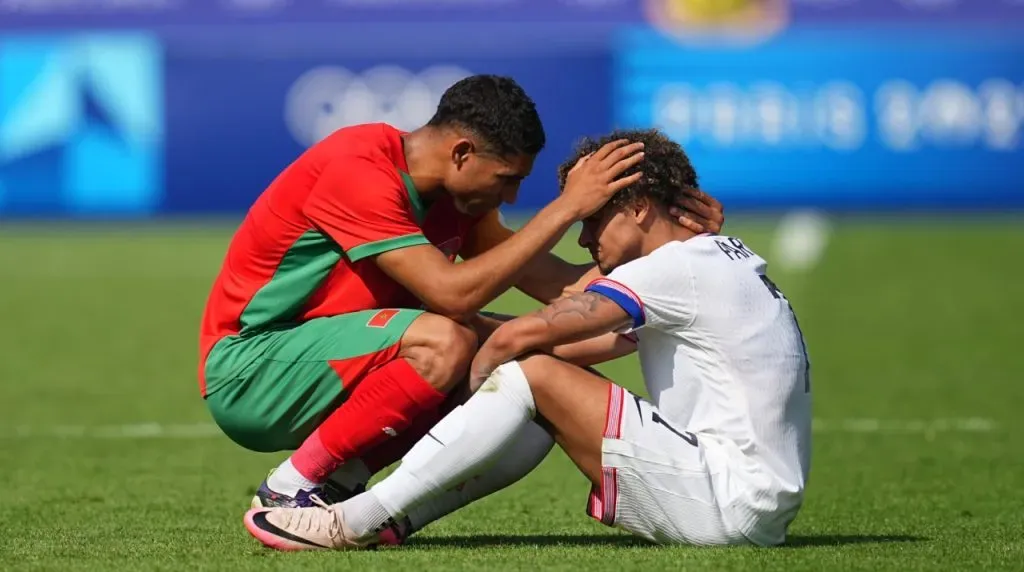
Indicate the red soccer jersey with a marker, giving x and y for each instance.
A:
(305, 250)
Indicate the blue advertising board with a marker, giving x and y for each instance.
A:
(907, 11)
(199, 119)
(182, 123)
(838, 118)
(232, 125)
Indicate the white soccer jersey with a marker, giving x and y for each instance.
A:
(723, 357)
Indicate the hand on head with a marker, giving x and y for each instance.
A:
(698, 212)
(596, 177)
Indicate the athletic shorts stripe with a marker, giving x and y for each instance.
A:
(604, 499)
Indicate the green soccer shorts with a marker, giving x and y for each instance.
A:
(269, 391)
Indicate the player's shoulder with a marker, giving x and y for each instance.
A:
(663, 265)
(364, 157)
(374, 142)
(704, 254)
(673, 256)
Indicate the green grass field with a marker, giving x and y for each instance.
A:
(109, 461)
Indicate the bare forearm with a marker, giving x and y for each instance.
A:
(582, 353)
(485, 324)
(547, 278)
(567, 321)
(525, 337)
(527, 334)
(507, 343)
(595, 350)
(478, 281)
(587, 274)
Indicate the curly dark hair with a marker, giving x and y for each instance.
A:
(497, 110)
(667, 169)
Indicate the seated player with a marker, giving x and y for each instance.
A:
(720, 455)
(338, 323)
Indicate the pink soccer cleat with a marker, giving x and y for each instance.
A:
(320, 527)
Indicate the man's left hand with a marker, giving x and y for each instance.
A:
(699, 212)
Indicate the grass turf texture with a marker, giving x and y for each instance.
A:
(907, 326)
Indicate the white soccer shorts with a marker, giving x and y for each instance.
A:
(655, 482)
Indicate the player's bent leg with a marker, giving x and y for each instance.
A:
(270, 391)
(580, 424)
(439, 349)
(522, 455)
(475, 440)
(572, 404)
(464, 444)
(400, 401)
(649, 476)
(352, 477)
(386, 403)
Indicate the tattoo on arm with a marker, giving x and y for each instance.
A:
(575, 318)
(578, 306)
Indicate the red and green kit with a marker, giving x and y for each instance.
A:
(300, 312)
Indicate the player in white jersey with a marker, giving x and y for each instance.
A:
(720, 453)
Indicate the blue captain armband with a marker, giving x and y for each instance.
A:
(621, 295)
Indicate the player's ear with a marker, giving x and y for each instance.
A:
(461, 151)
(642, 210)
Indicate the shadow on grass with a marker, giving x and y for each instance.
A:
(811, 540)
(497, 540)
(623, 541)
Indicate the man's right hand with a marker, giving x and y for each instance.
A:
(597, 177)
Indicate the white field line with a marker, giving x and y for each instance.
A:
(916, 426)
(130, 431)
(209, 430)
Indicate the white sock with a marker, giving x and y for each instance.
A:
(530, 447)
(365, 515)
(287, 480)
(463, 444)
(351, 475)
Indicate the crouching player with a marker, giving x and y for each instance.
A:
(720, 455)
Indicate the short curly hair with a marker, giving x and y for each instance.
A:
(667, 169)
(496, 109)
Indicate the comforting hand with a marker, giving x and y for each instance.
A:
(597, 177)
(699, 212)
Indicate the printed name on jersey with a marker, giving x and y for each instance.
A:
(733, 248)
(381, 318)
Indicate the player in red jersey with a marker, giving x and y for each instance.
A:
(337, 325)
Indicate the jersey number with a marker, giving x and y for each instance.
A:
(686, 435)
(777, 294)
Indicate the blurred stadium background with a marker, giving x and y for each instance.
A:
(870, 149)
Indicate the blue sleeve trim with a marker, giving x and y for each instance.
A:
(625, 301)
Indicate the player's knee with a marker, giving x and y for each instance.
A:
(537, 368)
(439, 349)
